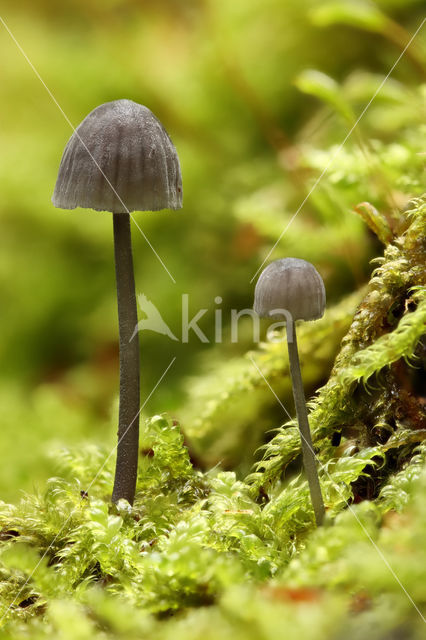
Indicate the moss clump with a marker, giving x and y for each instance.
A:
(222, 566)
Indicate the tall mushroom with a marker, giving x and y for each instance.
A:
(121, 159)
(294, 288)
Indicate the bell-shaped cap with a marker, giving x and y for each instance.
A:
(119, 159)
(293, 285)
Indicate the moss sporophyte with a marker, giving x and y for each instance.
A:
(121, 159)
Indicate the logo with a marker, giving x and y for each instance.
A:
(154, 321)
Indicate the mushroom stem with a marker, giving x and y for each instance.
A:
(302, 418)
(128, 424)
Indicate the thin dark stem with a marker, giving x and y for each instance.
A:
(128, 424)
(302, 418)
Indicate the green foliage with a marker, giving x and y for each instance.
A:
(400, 343)
(326, 89)
(107, 579)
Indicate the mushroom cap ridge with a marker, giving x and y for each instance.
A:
(291, 284)
(124, 141)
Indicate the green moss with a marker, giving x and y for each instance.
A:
(226, 567)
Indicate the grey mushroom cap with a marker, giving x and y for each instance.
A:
(119, 159)
(291, 284)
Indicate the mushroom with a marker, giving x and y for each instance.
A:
(121, 159)
(294, 288)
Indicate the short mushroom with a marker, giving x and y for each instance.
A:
(293, 288)
(121, 159)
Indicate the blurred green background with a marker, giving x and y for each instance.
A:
(253, 127)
